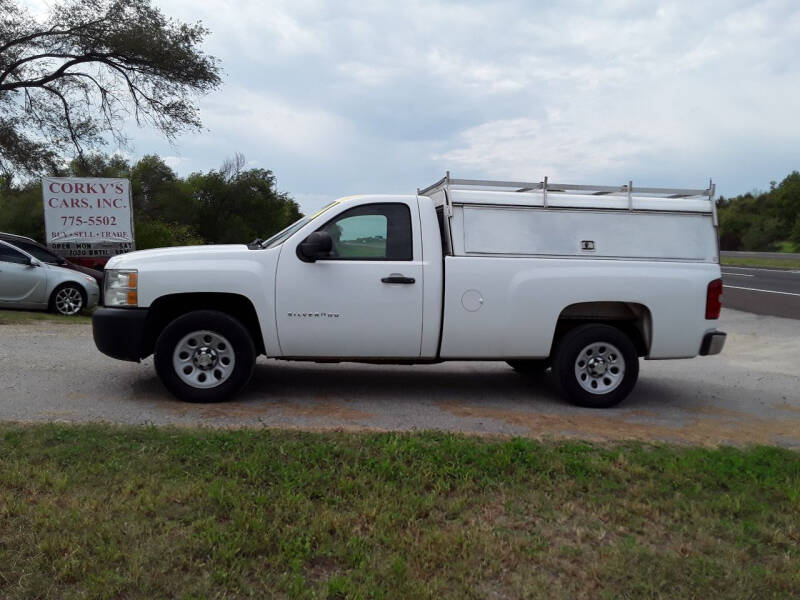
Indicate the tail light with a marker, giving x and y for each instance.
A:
(714, 299)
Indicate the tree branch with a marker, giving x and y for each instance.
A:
(15, 65)
(67, 117)
(42, 81)
(95, 62)
(50, 32)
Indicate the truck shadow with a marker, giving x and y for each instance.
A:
(466, 382)
(489, 384)
(377, 383)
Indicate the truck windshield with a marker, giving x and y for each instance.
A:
(281, 236)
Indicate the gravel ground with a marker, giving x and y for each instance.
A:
(748, 394)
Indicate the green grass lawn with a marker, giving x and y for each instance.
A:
(8, 317)
(781, 263)
(109, 512)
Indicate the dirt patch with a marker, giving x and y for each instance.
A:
(327, 409)
(321, 568)
(55, 414)
(728, 426)
(254, 410)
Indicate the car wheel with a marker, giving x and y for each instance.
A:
(205, 356)
(596, 365)
(529, 366)
(67, 299)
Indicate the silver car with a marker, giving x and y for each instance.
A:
(26, 282)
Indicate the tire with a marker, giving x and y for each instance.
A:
(205, 356)
(596, 365)
(68, 299)
(529, 366)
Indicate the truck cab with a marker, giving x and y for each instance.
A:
(582, 280)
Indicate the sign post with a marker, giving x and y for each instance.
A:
(88, 218)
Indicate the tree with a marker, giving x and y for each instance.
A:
(787, 202)
(236, 204)
(762, 220)
(22, 211)
(71, 81)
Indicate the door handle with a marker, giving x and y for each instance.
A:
(395, 278)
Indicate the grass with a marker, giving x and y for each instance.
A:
(10, 317)
(111, 512)
(781, 263)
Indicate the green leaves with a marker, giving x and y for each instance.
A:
(761, 222)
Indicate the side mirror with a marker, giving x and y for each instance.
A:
(315, 246)
(34, 262)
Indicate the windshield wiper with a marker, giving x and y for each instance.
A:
(255, 244)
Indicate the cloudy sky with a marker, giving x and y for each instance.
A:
(342, 97)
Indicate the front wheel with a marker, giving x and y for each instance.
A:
(596, 365)
(67, 300)
(205, 356)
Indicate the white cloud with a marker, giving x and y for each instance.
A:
(175, 162)
(252, 116)
(348, 96)
(312, 203)
(662, 95)
(530, 149)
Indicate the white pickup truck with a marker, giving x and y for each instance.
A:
(584, 279)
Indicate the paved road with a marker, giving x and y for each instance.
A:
(748, 394)
(762, 291)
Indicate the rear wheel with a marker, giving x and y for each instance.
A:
(205, 356)
(67, 300)
(596, 365)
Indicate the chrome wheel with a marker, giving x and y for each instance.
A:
(68, 301)
(600, 368)
(203, 359)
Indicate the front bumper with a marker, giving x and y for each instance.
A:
(713, 342)
(119, 332)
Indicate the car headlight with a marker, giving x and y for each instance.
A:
(120, 287)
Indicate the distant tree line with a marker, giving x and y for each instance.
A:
(231, 204)
(762, 221)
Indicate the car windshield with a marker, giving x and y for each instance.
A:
(281, 236)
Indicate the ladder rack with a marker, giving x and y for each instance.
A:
(548, 187)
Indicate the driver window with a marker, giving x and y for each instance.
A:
(8, 254)
(372, 232)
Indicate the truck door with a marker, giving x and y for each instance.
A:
(20, 282)
(365, 299)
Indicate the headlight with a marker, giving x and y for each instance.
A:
(120, 287)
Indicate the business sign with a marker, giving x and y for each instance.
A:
(88, 216)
